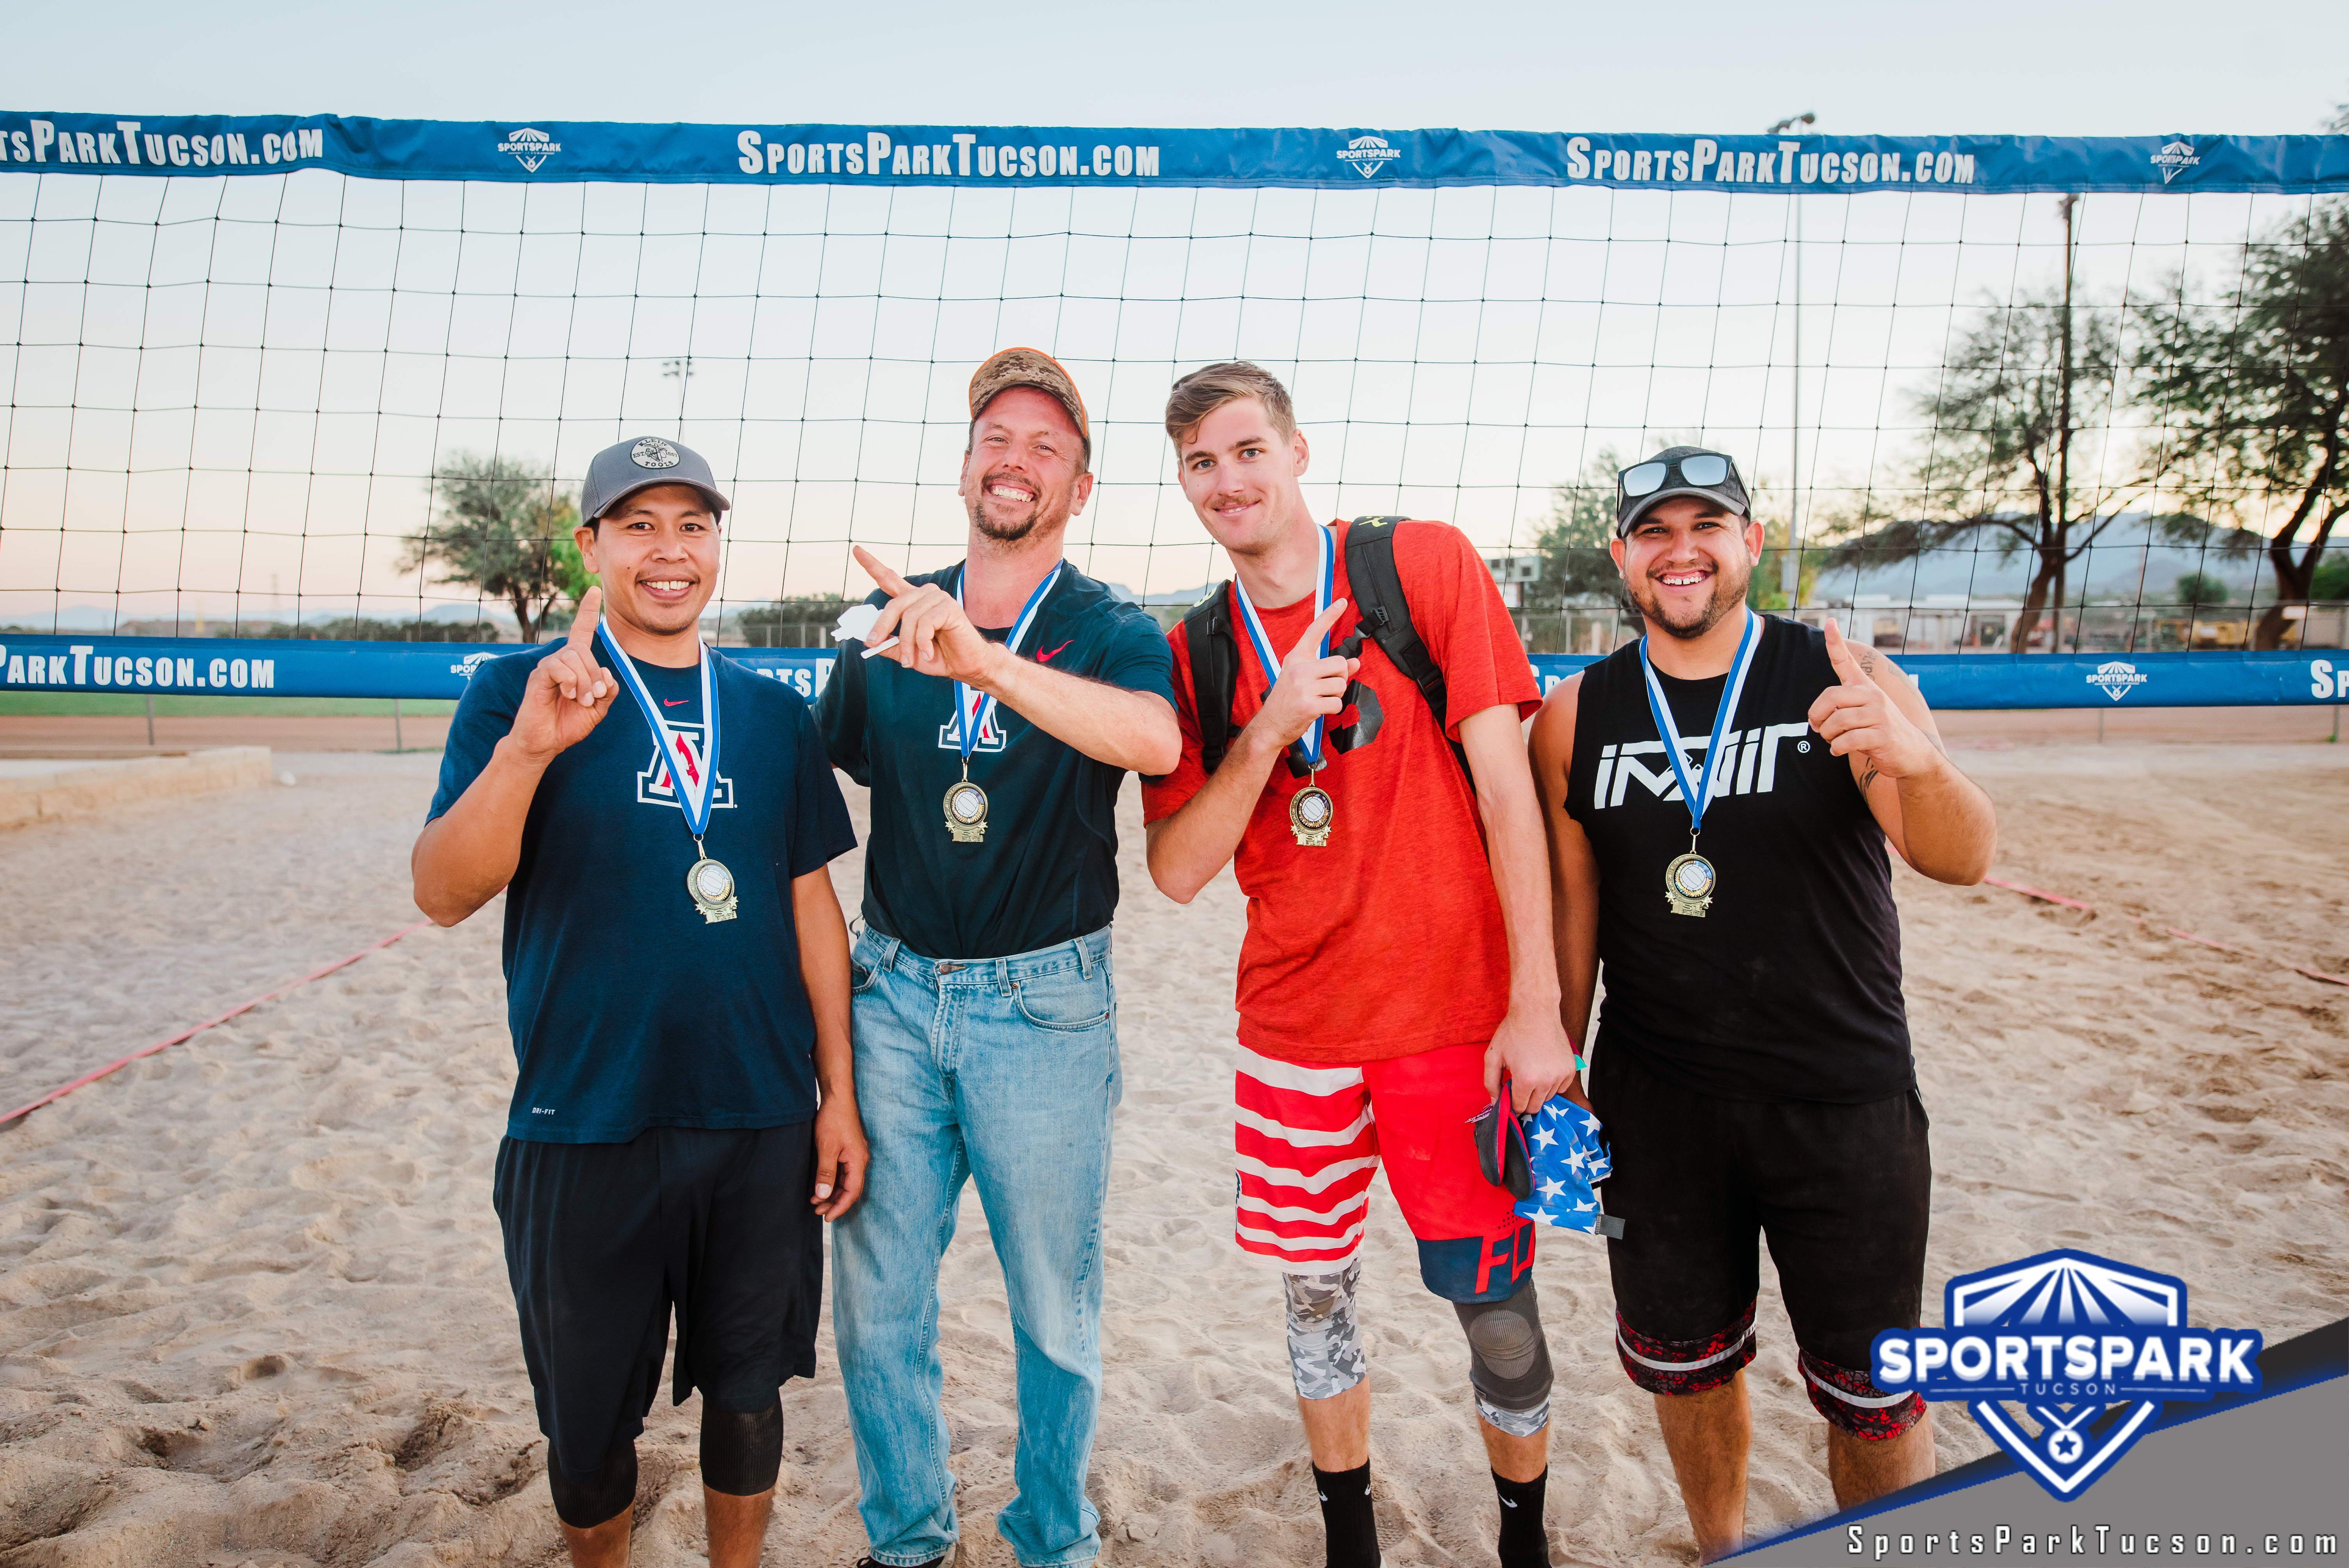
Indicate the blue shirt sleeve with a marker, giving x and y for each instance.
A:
(839, 722)
(1138, 658)
(820, 832)
(484, 716)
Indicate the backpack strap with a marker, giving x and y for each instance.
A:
(1385, 614)
(1214, 653)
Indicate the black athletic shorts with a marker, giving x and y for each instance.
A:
(603, 1239)
(1842, 1192)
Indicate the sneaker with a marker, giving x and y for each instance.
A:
(871, 1562)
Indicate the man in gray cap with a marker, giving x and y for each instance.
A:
(677, 977)
(1006, 699)
(1718, 797)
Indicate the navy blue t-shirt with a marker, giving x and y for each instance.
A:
(628, 1010)
(1047, 871)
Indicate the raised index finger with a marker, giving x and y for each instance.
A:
(583, 625)
(1840, 656)
(891, 584)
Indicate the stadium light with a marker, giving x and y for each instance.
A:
(1790, 566)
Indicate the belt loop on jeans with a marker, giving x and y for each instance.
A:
(888, 957)
(1084, 957)
(1004, 984)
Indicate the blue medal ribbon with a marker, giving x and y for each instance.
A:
(695, 779)
(1309, 745)
(1698, 794)
(971, 709)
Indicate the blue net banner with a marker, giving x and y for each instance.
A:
(227, 666)
(565, 152)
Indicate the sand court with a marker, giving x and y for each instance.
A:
(255, 1310)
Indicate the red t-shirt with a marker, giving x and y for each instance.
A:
(1386, 940)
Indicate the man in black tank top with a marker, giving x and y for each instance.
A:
(1756, 1077)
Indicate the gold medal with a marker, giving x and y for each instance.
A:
(965, 806)
(1689, 882)
(712, 887)
(1310, 812)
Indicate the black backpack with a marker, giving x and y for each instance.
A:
(1376, 588)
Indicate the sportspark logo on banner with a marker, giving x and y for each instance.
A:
(2176, 157)
(529, 147)
(2116, 678)
(2089, 1347)
(1368, 155)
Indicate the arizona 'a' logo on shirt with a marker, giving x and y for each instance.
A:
(991, 734)
(653, 786)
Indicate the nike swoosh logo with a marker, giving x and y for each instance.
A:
(1047, 658)
(673, 701)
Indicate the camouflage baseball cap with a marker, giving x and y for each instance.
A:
(1032, 367)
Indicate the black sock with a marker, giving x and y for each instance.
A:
(1346, 1516)
(1523, 1542)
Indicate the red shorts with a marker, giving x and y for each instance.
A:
(1307, 1138)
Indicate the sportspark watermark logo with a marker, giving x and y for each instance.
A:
(529, 147)
(469, 665)
(2176, 157)
(2088, 1347)
(1368, 155)
(2116, 678)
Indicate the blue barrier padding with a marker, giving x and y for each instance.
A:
(216, 666)
(561, 153)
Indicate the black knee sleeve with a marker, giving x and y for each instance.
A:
(742, 1455)
(611, 1494)
(1509, 1356)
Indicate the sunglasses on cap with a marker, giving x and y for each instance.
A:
(1700, 470)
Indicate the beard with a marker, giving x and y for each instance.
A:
(1727, 597)
(1041, 512)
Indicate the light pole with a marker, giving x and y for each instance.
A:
(682, 369)
(1790, 565)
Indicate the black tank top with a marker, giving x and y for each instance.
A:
(1789, 987)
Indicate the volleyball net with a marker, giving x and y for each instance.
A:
(301, 405)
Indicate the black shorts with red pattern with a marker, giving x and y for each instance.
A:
(1841, 1192)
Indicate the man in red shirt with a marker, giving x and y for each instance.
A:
(1398, 960)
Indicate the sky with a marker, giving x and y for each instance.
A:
(2065, 68)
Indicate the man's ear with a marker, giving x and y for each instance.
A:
(1755, 540)
(1083, 492)
(1614, 548)
(1303, 453)
(584, 537)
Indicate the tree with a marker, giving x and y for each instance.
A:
(2255, 396)
(1576, 567)
(761, 625)
(501, 523)
(2196, 589)
(2005, 418)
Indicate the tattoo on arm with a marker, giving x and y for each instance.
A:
(1868, 779)
(1867, 657)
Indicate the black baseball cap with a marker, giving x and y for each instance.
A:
(619, 472)
(1676, 472)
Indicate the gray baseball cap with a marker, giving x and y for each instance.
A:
(619, 472)
(1676, 472)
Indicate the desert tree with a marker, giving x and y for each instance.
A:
(503, 528)
(2251, 393)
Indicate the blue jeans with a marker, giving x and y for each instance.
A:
(1003, 1071)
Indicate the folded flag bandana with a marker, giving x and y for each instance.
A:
(1549, 1160)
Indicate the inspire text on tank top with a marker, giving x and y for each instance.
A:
(1789, 987)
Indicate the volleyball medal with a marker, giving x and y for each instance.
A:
(1690, 879)
(1309, 810)
(712, 887)
(692, 776)
(965, 802)
(967, 811)
(1688, 883)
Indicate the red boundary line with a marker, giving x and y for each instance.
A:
(97, 1073)
(2167, 931)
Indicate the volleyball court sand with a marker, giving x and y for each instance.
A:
(254, 1310)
